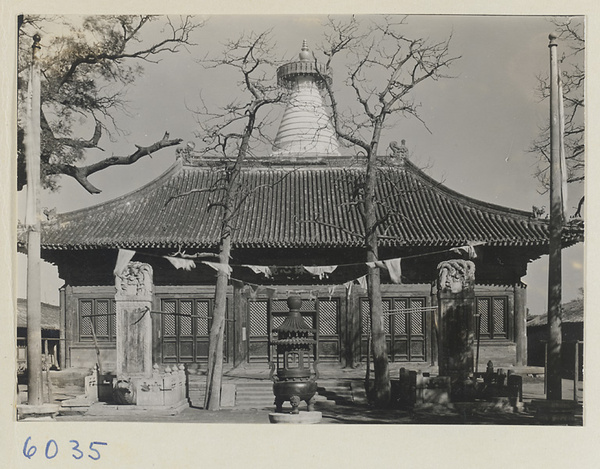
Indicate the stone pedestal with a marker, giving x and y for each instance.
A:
(456, 324)
(138, 382)
(37, 412)
(161, 389)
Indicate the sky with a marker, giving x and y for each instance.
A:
(481, 122)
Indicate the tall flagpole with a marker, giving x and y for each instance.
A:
(554, 380)
(34, 307)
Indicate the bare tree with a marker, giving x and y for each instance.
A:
(384, 65)
(232, 134)
(570, 31)
(87, 63)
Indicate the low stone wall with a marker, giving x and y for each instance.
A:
(83, 356)
(502, 354)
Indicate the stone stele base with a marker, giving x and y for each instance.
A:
(302, 417)
(103, 409)
(37, 412)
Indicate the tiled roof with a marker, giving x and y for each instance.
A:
(313, 206)
(572, 312)
(50, 315)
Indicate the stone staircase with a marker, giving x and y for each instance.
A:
(335, 391)
(258, 393)
(254, 394)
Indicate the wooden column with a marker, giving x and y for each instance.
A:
(62, 328)
(240, 333)
(355, 331)
(157, 332)
(433, 330)
(71, 323)
(520, 291)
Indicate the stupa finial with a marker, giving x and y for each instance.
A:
(305, 52)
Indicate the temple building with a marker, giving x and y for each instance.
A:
(297, 229)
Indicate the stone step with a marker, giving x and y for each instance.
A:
(359, 394)
(336, 390)
(255, 384)
(254, 394)
(259, 393)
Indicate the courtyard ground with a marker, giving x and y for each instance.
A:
(533, 388)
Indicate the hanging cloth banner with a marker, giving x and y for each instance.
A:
(348, 286)
(468, 249)
(179, 263)
(362, 281)
(270, 292)
(260, 269)
(254, 290)
(123, 258)
(322, 271)
(226, 268)
(395, 269)
(331, 291)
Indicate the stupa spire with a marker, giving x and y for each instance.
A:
(305, 128)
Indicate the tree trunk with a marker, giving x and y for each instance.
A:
(214, 375)
(381, 383)
(382, 387)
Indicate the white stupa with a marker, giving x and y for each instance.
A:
(305, 129)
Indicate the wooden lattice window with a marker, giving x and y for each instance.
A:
(328, 321)
(366, 316)
(493, 317)
(258, 319)
(97, 316)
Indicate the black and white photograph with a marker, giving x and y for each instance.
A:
(240, 221)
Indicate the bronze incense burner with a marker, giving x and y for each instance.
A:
(294, 381)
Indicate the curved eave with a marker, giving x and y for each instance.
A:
(287, 215)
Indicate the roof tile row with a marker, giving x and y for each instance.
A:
(293, 207)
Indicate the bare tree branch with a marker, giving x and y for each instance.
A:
(81, 173)
(86, 67)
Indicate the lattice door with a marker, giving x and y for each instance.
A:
(258, 330)
(329, 335)
(404, 325)
(264, 315)
(185, 327)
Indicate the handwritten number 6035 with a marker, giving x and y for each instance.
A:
(51, 452)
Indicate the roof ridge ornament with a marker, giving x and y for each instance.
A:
(398, 151)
